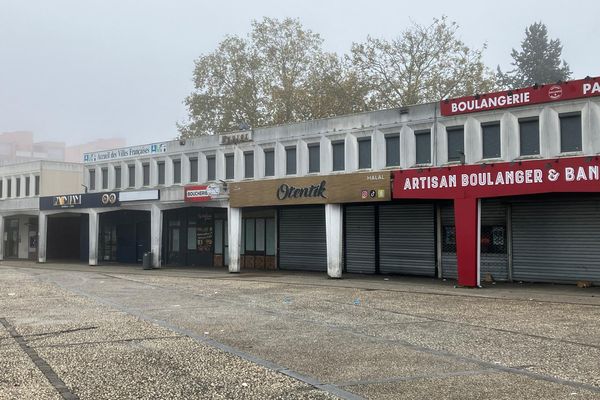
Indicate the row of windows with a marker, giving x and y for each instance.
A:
(529, 138)
(25, 191)
(529, 144)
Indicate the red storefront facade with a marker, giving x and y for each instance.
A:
(466, 185)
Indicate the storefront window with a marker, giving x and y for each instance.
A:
(270, 237)
(258, 236)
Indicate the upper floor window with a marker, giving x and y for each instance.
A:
(392, 150)
(364, 152)
(37, 185)
(529, 136)
(249, 164)
(18, 187)
(117, 177)
(131, 175)
(27, 185)
(92, 179)
(456, 143)
(490, 137)
(161, 172)
(269, 162)
(290, 160)
(210, 168)
(194, 169)
(1, 187)
(229, 165)
(314, 157)
(570, 132)
(146, 174)
(423, 147)
(177, 171)
(104, 172)
(338, 155)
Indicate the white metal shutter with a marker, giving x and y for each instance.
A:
(556, 240)
(302, 241)
(360, 239)
(407, 239)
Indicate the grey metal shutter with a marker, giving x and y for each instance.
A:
(556, 240)
(407, 239)
(302, 241)
(360, 239)
(493, 213)
(449, 263)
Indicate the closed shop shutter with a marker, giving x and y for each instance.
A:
(448, 236)
(494, 254)
(556, 240)
(302, 241)
(407, 239)
(360, 239)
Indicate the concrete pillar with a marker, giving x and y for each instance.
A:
(351, 153)
(42, 236)
(234, 225)
(466, 217)
(378, 156)
(334, 219)
(1, 237)
(94, 228)
(156, 221)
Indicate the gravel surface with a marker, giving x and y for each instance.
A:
(378, 338)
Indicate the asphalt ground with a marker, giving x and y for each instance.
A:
(116, 332)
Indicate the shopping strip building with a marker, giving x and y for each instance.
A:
(502, 185)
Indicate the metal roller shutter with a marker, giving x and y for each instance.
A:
(360, 239)
(556, 240)
(407, 239)
(449, 264)
(302, 241)
(493, 213)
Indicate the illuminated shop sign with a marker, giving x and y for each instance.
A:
(79, 200)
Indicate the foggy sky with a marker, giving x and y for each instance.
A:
(80, 70)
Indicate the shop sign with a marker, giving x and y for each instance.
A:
(79, 200)
(577, 174)
(339, 188)
(235, 137)
(125, 152)
(139, 195)
(201, 192)
(522, 97)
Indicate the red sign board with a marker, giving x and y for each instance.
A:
(577, 174)
(522, 97)
(200, 192)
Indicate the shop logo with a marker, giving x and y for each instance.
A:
(109, 199)
(364, 194)
(372, 194)
(381, 193)
(285, 191)
(555, 92)
(68, 200)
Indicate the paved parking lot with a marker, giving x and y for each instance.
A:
(71, 331)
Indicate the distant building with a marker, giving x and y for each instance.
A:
(75, 153)
(19, 146)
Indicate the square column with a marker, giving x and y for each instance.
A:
(1, 237)
(156, 221)
(234, 225)
(334, 219)
(466, 217)
(94, 225)
(42, 236)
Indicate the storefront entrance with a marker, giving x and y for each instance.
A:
(195, 236)
(124, 236)
(68, 237)
(11, 243)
